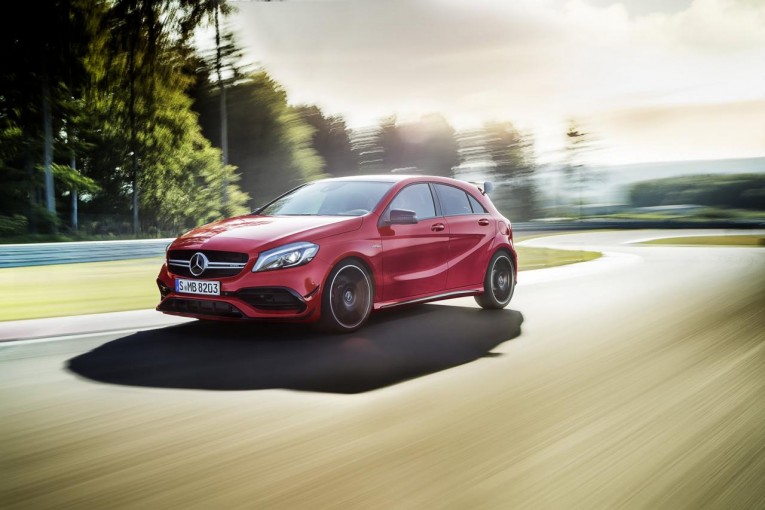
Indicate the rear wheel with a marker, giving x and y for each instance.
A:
(347, 298)
(499, 282)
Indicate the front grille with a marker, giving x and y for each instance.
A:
(201, 307)
(272, 298)
(221, 264)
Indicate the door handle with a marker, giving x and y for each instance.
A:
(483, 222)
(437, 227)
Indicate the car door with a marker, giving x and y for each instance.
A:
(471, 231)
(414, 256)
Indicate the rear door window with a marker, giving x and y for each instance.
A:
(453, 200)
(476, 205)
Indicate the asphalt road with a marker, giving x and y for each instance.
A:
(634, 381)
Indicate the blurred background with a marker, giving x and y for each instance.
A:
(137, 118)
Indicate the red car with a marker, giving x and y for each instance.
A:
(334, 250)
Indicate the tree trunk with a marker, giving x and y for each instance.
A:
(133, 128)
(223, 113)
(50, 197)
(136, 219)
(29, 166)
(73, 192)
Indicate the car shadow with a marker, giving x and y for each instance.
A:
(394, 346)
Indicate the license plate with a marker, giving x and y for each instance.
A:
(208, 288)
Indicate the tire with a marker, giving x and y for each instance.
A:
(347, 298)
(498, 284)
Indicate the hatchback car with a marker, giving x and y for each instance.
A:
(334, 250)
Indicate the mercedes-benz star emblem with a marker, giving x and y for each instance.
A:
(198, 263)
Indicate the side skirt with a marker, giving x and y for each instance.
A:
(425, 299)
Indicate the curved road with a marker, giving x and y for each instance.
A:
(634, 381)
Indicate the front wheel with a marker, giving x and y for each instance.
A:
(347, 298)
(498, 284)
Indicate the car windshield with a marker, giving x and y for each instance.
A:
(329, 198)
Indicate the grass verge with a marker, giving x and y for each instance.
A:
(98, 287)
(734, 240)
(539, 258)
(75, 289)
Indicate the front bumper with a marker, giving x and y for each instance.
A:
(285, 294)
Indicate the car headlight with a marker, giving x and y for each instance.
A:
(289, 255)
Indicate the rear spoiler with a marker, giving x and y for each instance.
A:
(485, 187)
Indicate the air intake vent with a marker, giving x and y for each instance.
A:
(272, 298)
(201, 307)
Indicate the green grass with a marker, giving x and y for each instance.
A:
(75, 289)
(539, 258)
(98, 287)
(733, 240)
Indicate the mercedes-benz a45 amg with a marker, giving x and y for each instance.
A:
(333, 251)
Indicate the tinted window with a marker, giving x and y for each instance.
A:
(476, 205)
(329, 198)
(415, 198)
(454, 201)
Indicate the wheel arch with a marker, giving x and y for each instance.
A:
(511, 253)
(329, 319)
(362, 260)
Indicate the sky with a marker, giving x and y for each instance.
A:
(649, 80)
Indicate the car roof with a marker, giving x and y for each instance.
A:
(396, 178)
(372, 178)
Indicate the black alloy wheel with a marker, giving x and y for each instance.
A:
(347, 298)
(499, 282)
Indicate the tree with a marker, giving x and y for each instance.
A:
(435, 145)
(43, 72)
(395, 151)
(269, 142)
(181, 178)
(118, 129)
(222, 93)
(367, 150)
(428, 145)
(226, 58)
(142, 131)
(223, 53)
(511, 154)
(331, 140)
(145, 30)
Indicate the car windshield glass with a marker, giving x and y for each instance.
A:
(329, 198)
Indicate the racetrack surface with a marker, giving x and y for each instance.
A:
(636, 381)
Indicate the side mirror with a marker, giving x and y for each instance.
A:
(402, 217)
(488, 187)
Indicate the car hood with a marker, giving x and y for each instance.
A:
(248, 233)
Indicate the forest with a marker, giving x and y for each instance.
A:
(113, 123)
